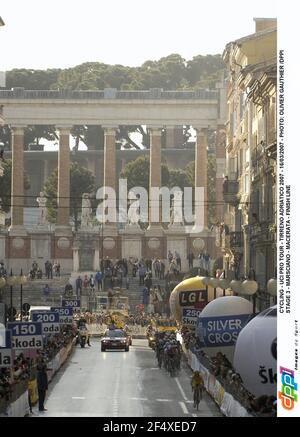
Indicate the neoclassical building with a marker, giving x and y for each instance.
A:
(20, 244)
(249, 229)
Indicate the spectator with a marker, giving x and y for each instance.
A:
(142, 272)
(98, 279)
(69, 290)
(178, 260)
(148, 282)
(170, 256)
(46, 291)
(78, 284)
(110, 297)
(92, 284)
(86, 283)
(42, 383)
(190, 258)
(162, 270)
(56, 268)
(206, 263)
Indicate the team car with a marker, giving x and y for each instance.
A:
(115, 339)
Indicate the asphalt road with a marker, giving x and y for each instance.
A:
(121, 384)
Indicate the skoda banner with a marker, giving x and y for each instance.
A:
(220, 331)
(190, 316)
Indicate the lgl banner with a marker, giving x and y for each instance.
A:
(193, 298)
(220, 331)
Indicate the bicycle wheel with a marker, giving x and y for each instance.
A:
(196, 397)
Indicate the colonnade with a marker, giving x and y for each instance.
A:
(63, 192)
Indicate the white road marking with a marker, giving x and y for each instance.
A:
(181, 390)
(139, 399)
(194, 415)
(164, 400)
(78, 397)
(183, 406)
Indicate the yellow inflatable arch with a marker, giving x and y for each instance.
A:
(190, 284)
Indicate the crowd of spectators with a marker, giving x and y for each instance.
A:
(223, 370)
(51, 269)
(24, 368)
(3, 272)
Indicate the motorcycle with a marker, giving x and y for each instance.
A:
(82, 337)
(83, 340)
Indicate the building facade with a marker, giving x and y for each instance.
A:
(247, 234)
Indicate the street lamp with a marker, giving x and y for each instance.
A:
(272, 288)
(205, 281)
(22, 280)
(2, 283)
(249, 288)
(214, 282)
(11, 281)
(236, 286)
(224, 283)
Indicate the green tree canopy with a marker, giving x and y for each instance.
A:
(81, 181)
(137, 173)
(5, 185)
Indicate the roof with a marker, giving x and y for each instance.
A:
(244, 39)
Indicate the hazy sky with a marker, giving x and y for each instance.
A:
(63, 33)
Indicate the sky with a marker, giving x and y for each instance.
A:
(42, 34)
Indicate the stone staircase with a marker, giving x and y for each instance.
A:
(33, 292)
(135, 294)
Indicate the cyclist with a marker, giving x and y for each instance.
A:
(197, 384)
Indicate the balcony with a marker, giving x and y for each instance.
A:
(231, 242)
(230, 192)
(236, 239)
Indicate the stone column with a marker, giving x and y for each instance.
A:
(221, 161)
(201, 169)
(174, 137)
(109, 179)
(155, 176)
(63, 187)
(17, 180)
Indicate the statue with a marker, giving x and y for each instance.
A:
(176, 209)
(86, 211)
(134, 213)
(42, 200)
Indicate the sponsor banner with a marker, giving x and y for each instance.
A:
(71, 303)
(190, 316)
(26, 335)
(49, 320)
(65, 314)
(193, 298)
(5, 349)
(5, 338)
(220, 331)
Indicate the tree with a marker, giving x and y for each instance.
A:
(5, 185)
(5, 136)
(137, 173)
(179, 178)
(81, 181)
(33, 134)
